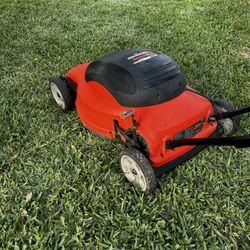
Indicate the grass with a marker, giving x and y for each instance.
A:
(61, 187)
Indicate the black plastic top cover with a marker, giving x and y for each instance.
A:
(138, 77)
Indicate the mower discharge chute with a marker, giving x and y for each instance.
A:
(140, 98)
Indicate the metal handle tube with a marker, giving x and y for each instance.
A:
(236, 141)
(225, 115)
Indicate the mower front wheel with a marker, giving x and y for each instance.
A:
(138, 170)
(62, 94)
(229, 125)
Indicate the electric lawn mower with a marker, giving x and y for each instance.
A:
(140, 98)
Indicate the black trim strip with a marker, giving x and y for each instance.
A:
(171, 165)
(183, 158)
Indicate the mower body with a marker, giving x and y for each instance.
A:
(151, 87)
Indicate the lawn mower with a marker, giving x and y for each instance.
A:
(139, 97)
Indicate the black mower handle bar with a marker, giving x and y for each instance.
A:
(236, 141)
(225, 115)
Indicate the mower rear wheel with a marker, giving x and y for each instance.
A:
(138, 170)
(229, 125)
(62, 94)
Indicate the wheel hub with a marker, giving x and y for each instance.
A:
(227, 124)
(133, 172)
(57, 95)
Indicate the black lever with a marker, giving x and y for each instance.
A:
(236, 141)
(225, 115)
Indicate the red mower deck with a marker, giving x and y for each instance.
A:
(140, 98)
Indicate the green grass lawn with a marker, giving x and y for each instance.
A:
(80, 199)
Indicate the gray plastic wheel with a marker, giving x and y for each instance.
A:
(138, 170)
(229, 125)
(62, 94)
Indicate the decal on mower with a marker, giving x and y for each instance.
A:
(191, 131)
(141, 57)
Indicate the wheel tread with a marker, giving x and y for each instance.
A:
(67, 93)
(145, 166)
(229, 106)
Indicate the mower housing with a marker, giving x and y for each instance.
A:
(150, 88)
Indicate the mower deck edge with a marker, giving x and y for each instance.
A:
(185, 157)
